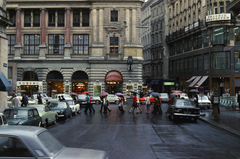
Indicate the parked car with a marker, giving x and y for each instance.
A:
(23, 116)
(34, 97)
(55, 98)
(34, 142)
(143, 99)
(113, 98)
(62, 109)
(81, 99)
(204, 102)
(3, 120)
(96, 99)
(75, 107)
(164, 97)
(184, 108)
(184, 95)
(47, 115)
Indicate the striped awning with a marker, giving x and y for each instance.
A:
(202, 80)
(195, 81)
(193, 77)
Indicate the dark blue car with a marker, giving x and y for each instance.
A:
(62, 109)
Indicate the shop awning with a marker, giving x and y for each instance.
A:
(202, 80)
(195, 81)
(4, 84)
(114, 77)
(193, 77)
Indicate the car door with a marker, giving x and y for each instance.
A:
(49, 114)
(30, 118)
(37, 119)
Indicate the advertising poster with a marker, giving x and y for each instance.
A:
(97, 89)
(129, 87)
(67, 89)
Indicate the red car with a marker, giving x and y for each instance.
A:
(143, 99)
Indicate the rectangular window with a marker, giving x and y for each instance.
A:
(227, 3)
(220, 60)
(237, 61)
(195, 63)
(114, 16)
(36, 18)
(206, 38)
(186, 65)
(60, 17)
(51, 18)
(197, 40)
(221, 7)
(215, 8)
(113, 44)
(170, 67)
(12, 17)
(55, 43)
(27, 18)
(172, 49)
(177, 66)
(31, 44)
(80, 44)
(9, 72)
(76, 18)
(237, 35)
(206, 62)
(181, 65)
(85, 17)
(220, 35)
(11, 44)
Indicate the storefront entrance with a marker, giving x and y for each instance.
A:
(114, 82)
(221, 85)
(79, 82)
(54, 83)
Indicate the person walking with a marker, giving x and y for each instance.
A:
(102, 103)
(148, 103)
(169, 105)
(135, 106)
(23, 101)
(15, 101)
(91, 106)
(39, 99)
(120, 105)
(88, 104)
(157, 106)
(106, 104)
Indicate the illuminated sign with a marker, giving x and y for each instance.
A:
(168, 83)
(218, 17)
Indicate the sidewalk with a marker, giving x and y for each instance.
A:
(228, 120)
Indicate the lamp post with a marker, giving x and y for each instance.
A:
(130, 62)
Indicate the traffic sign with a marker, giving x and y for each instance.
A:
(201, 90)
(196, 86)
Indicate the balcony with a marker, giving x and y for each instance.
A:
(113, 55)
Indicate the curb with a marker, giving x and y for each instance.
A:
(221, 126)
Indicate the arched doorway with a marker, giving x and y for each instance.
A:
(54, 83)
(114, 82)
(79, 82)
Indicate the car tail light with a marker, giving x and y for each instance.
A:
(208, 103)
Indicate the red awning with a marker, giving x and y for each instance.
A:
(114, 77)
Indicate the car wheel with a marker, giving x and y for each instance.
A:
(97, 102)
(45, 124)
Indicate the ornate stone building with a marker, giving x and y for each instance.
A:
(74, 46)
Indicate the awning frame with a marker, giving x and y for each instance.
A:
(195, 81)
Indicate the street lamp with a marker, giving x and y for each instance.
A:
(130, 62)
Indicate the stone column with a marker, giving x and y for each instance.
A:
(127, 28)
(43, 46)
(94, 24)
(101, 25)
(18, 45)
(134, 27)
(67, 46)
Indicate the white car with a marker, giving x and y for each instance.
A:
(74, 106)
(96, 99)
(113, 98)
(34, 97)
(204, 102)
(184, 95)
(56, 99)
(3, 120)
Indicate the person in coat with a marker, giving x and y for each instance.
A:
(15, 101)
(148, 103)
(157, 106)
(39, 99)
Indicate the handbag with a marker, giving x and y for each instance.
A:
(106, 103)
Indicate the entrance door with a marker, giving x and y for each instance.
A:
(79, 82)
(54, 83)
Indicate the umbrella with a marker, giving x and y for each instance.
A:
(54, 91)
(154, 94)
(177, 93)
(149, 91)
(85, 92)
(194, 90)
(37, 92)
(20, 91)
(12, 92)
(103, 94)
(72, 93)
(119, 94)
(135, 92)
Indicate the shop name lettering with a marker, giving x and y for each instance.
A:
(29, 83)
(218, 17)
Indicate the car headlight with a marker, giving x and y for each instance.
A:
(178, 110)
(20, 123)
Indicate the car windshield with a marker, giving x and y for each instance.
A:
(203, 98)
(67, 96)
(51, 144)
(71, 102)
(16, 114)
(58, 105)
(164, 95)
(81, 96)
(40, 109)
(185, 103)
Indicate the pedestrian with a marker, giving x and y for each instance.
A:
(238, 99)
(148, 103)
(59, 98)
(157, 106)
(88, 104)
(23, 101)
(91, 106)
(15, 101)
(120, 105)
(135, 106)
(39, 99)
(106, 104)
(62, 98)
(169, 105)
(101, 98)
(74, 98)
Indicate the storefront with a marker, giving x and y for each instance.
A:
(79, 82)
(54, 83)
(30, 87)
(114, 82)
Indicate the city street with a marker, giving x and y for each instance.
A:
(143, 136)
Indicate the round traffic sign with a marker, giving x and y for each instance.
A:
(196, 86)
(201, 90)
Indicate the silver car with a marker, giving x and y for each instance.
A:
(18, 142)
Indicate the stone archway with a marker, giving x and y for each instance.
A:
(79, 82)
(54, 83)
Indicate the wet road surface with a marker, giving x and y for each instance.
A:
(145, 136)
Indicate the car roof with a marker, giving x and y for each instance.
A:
(184, 99)
(20, 108)
(21, 130)
(37, 105)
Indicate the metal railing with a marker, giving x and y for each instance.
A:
(230, 102)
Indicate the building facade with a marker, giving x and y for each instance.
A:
(203, 44)
(155, 50)
(75, 46)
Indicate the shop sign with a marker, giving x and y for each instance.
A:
(29, 83)
(218, 17)
(191, 26)
(168, 83)
(186, 29)
(196, 24)
(144, 86)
